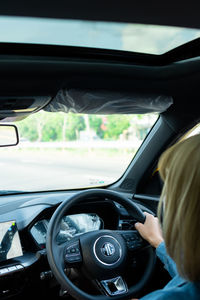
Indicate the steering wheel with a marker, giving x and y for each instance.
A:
(102, 255)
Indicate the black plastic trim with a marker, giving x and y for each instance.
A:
(185, 51)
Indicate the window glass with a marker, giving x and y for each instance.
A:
(68, 151)
(142, 38)
(195, 130)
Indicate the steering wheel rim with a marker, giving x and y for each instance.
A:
(54, 256)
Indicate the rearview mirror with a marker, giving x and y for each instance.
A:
(8, 135)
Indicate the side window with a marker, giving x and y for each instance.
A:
(195, 130)
(153, 186)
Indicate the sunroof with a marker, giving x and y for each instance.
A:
(141, 38)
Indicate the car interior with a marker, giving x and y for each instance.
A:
(107, 258)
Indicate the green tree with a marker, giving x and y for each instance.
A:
(28, 128)
(52, 128)
(116, 124)
(75, 123)
(47, 126)
(95, 123)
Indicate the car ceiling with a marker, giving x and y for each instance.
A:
(176, 13)
(39, 70)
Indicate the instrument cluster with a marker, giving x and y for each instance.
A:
(71, 225)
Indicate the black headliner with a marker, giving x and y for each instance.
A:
(177, 13)
(23, 75)
(183, 52)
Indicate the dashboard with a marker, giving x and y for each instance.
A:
(71, 225)
(24, 221)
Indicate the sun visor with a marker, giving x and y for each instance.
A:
(17, 108)
(107, 102)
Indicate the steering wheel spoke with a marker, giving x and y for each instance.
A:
(72, 253)
(68, 254)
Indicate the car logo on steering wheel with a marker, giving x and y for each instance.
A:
(108, 249)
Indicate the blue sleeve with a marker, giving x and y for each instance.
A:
(168, 262)
(174, 294)
(157, 295)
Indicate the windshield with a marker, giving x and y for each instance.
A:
(142, 38)
(59, 151)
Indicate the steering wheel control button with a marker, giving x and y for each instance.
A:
(115, 286)
(107, 250)
(133, 240)
(73, 253)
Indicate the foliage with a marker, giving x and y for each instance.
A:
(27, 128)
(95, 123)
(116, 124)
(51, 127)
(47, 127)
(75, 123)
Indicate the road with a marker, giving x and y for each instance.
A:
(52, 172)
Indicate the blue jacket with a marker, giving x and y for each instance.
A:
(176, 289)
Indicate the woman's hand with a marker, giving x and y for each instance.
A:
(150, 230)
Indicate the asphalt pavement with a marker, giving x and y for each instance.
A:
(34, 173)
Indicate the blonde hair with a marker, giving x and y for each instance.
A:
(179, 167)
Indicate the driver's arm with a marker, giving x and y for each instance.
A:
(151, 231)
